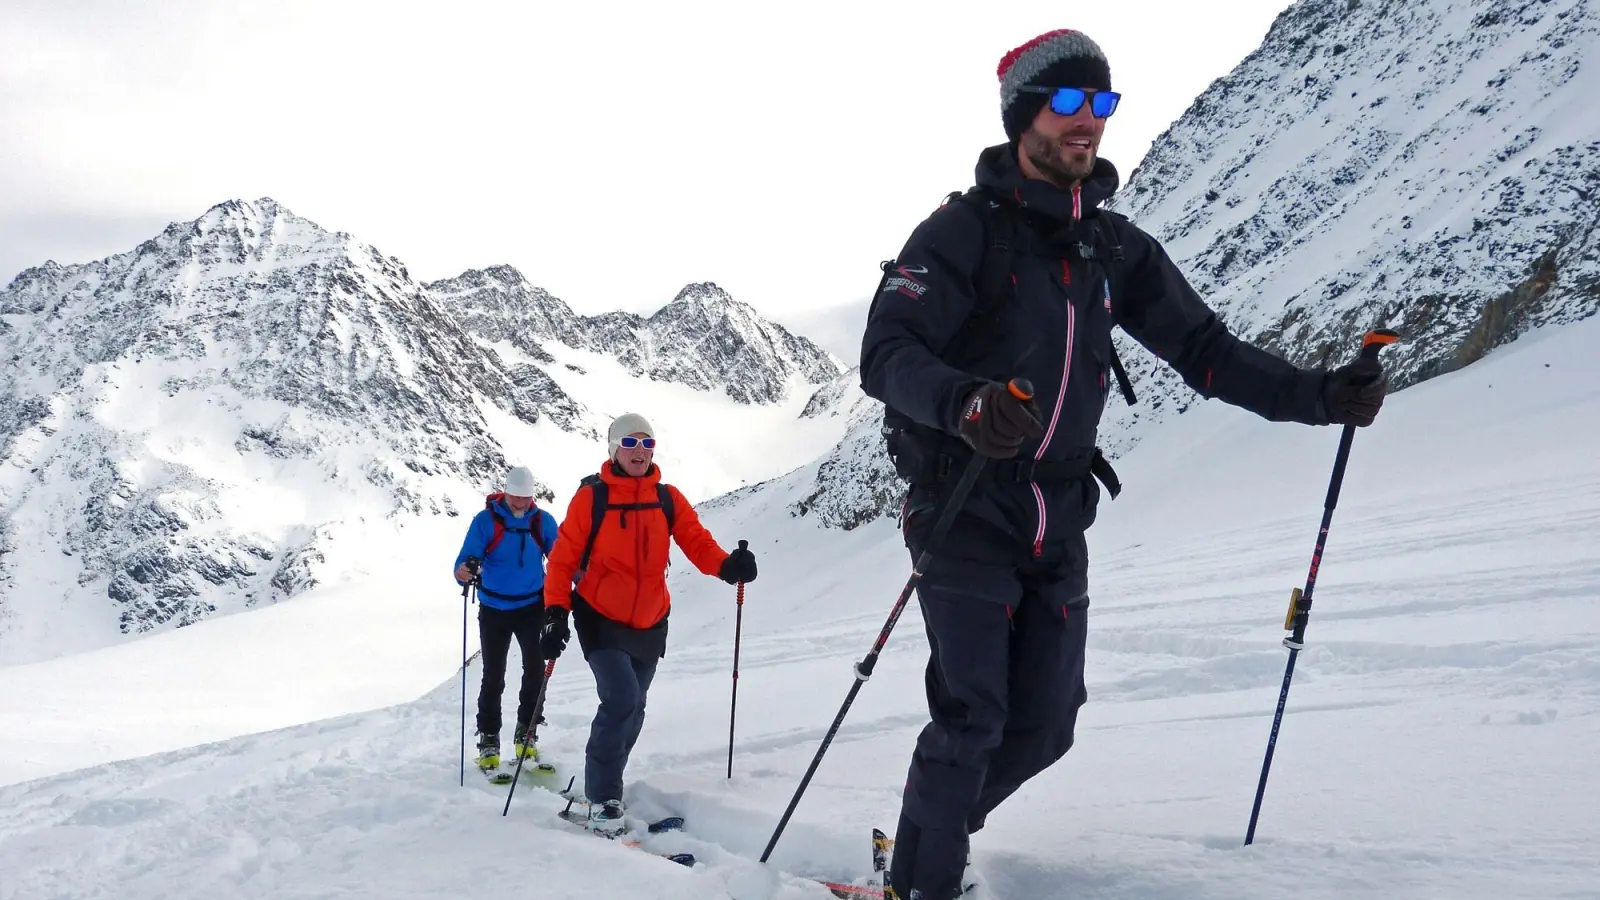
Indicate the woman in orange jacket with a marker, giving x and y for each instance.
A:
(609, 568)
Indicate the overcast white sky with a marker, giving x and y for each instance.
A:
(611, 151)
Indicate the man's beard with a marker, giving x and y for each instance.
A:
(1045, 154)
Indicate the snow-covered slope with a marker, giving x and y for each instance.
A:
(1428, 165)
(214, 420)
(1453, 666)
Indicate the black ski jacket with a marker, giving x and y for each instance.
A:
(1055, 331)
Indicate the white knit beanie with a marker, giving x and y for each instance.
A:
(626, 424)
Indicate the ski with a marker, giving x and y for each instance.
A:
(660, 826)
(535, 773)
(851, 891)
(580, 820)
(882, 844)
(670, 823)
(530, 774)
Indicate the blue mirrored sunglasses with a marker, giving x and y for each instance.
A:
(1067, 101)
(629, 442)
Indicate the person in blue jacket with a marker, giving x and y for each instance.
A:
(510, 537)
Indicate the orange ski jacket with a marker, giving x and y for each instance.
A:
(627, 576)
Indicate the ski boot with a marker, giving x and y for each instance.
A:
(606, 819)
(488, 759)
(523, 746)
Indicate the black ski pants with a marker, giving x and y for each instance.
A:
(1004, 685)
(496, 628)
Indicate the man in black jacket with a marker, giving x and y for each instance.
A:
(1006, 599)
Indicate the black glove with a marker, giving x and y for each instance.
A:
(556, 633)
(1353, 393)
(995, 423)
(739, 566)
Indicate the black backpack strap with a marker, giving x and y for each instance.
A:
(993, 281)
(599, 493)
(1107, 235)
(668, 506)
(1123, 383)
(1100, 467)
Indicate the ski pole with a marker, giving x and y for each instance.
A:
(472, 566)
(1300, 600)
(533, 731)
(738, 627)
(1020, 388)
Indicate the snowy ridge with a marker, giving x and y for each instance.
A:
(498, 304)
(1425, 166)
(703, 338)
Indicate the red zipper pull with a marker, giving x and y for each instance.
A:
(1038, 549)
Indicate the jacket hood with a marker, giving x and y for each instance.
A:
(998, 171)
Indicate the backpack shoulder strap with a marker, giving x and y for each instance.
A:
(993, 282)
(599, 494)
(668, 505)
(1106, 235)
(499, 524)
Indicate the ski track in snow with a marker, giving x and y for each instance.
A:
(1434, 743)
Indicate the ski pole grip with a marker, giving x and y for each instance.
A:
(1020, 388)
(743, 545)
(1376, 340)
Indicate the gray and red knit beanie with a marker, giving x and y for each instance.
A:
(1061, 58)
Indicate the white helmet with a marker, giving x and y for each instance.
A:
(519, 482)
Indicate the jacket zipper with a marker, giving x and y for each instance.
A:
(638, 563)
(1055, 416)
(1066, 375)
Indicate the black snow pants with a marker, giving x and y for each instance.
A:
(1004, 685)
(496, 628)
